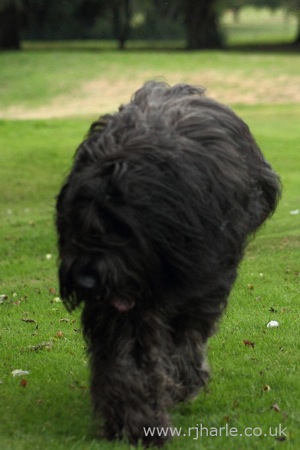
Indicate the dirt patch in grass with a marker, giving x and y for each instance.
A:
(100, 95)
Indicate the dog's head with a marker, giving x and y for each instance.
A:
(127, 230)
(161, 196)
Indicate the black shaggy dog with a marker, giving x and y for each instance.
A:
(152, 222)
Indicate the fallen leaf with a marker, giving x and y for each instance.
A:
(41, 346)
(65, 319)
(250, 286)
(3, 297)
(28, 320)
(77, 385)
(249, 343)
(59, 334)
(273, 310)
(52, 291)
(275, 407)
(23, 383)
(56, 300)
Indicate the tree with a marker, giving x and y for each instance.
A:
(201, 21)
(48, 20)
(200, 18)
(121, 15)
(58, 19)
(87, 13)
(10, 24)
(118, 12)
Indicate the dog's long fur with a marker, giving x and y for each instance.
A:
(153, 221)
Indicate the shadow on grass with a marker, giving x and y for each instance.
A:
(153, 46)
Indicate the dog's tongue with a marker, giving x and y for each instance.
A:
(122, 304)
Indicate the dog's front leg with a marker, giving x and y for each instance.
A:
(128, 385)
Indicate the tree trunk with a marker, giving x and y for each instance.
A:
(9, 27)
(121, 21)
(202, 25)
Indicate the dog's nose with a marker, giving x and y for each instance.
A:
(86, 281)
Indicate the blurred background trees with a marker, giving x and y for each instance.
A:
(195, 21)
(10, 24)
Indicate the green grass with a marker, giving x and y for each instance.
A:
(51, 71)
(259, 27)
(52, 410)
(33, 78)
(34, 157)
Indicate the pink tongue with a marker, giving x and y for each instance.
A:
(122, 304)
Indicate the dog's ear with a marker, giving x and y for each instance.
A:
(92, 148)
(267, 196)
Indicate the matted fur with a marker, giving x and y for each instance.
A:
(152, 222)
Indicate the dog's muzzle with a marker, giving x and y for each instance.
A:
(88, 284)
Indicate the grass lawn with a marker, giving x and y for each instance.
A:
(261, 26)
(255, 386)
